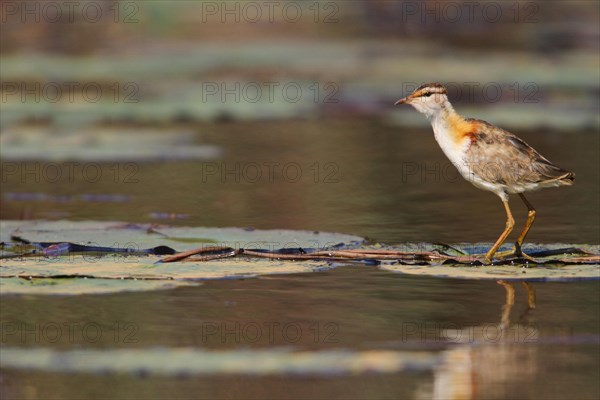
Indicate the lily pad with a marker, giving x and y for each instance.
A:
(38, 264)
(556, 262)
(62, 286)
(190, 361)
(147, 268)
(142, 236)
(34, 143)
(537, 273)
(45, 252)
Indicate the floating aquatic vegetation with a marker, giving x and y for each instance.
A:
(103, 145)
(190, 361)
(38, 256)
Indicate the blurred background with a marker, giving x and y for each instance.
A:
(279, 114)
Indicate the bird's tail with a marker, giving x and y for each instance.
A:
(567, 179)
(551, 174)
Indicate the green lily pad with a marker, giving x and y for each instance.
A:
(142, 236)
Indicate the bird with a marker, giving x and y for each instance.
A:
(489, 157)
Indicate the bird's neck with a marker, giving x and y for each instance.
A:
(445, 119)
(444, 113)
(451, 131)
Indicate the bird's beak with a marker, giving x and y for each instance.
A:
(403, 100)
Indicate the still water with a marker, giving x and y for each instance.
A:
(358, 177)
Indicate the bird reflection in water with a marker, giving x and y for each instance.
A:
(495, 357)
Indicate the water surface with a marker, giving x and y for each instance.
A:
(358, 177)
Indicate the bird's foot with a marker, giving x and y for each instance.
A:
(516, 252)
(527, 257)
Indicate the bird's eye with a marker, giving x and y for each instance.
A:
(427, 94)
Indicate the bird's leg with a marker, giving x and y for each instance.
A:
(531, 298)
(530, 218)
(510, 223)
(517, 252)
(508, 305)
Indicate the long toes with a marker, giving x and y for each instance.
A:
(527, 257)
(515, 253)
(505, 254)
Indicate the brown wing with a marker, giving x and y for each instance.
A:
(498, 156)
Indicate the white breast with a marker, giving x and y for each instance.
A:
(453, 149)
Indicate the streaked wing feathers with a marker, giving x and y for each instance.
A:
(498, 156)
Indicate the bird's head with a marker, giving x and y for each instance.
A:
(429, 99)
